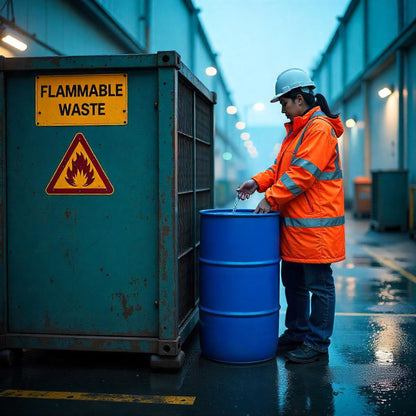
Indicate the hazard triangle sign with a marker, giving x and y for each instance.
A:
(79, 172)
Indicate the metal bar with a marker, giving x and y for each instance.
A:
(366, 30)
(367, 130)
(81, 62)
(195, 212)
(189, 323)
(147, 18)
(168, 185)
(196, 83)
(3, 256)
(401, 139)
(82, 343)
(212, 151)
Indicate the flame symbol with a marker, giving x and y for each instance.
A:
(81, 175)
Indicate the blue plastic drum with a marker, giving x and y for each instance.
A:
(239, 285)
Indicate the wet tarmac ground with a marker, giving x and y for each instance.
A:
(371, 368)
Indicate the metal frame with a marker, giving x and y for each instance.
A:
(171, 333)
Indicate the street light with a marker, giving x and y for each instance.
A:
(211, 71)
(385, 92)
(257, 107)
(350, 123)
(245, 135)
(227, 155)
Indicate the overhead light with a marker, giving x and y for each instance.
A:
(385, 92)
(240, 125)
(350, 123)
(211, 71)
(16, 43)
(227, 155)
(232, 109)
(245, 136)
(253, 151)
(258, 107)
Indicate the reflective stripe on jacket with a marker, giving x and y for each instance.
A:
(305, 185)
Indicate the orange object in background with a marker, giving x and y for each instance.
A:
(362, 196)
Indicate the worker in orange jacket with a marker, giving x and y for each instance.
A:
(305, 185)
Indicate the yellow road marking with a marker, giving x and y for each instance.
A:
(391, 264)
(98, 397)
(405, 315)
(402, 315)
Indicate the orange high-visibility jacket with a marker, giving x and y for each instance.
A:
(305, 185)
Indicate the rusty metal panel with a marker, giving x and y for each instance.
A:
(111, 270)
(71, 258)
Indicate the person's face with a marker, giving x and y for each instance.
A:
(292, 107)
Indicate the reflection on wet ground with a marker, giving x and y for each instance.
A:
(371, 368)
(367, 261)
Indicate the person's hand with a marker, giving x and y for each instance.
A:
(246, 189)
(263, 207)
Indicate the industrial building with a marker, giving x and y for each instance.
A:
(107, 27)
(367, 74)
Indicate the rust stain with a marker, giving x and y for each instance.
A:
(127, 310)
(102, 271)
(164, 254)
(69, 214)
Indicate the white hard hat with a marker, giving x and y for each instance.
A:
(289, 80)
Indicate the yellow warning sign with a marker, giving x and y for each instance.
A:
(81, 100)
(79, 172)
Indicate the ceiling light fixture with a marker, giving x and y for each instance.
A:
(13, 41)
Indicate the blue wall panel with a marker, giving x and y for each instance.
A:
(382, 25)
(355, 44)
(411, 111)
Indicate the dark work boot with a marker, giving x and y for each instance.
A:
(305, 354)
(285, 343)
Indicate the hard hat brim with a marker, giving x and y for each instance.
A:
(277, 97)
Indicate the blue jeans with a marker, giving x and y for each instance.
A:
(311, 322)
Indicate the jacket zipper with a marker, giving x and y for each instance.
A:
(309, 202)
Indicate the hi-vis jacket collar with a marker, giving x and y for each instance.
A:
(301, 121)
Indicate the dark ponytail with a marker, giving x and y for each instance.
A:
(321, 101)
(312, 100)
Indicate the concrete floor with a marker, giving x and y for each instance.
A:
(371, 368)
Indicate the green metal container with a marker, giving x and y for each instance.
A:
(389, 207)
(107, 161)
